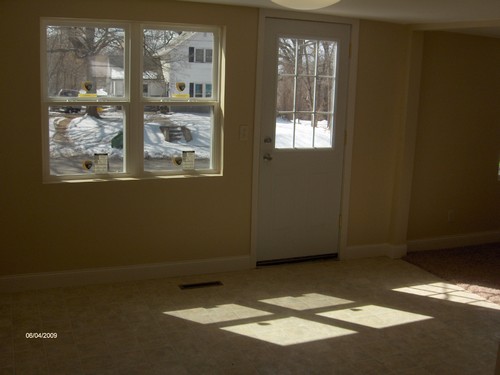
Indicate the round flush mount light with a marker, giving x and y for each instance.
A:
(305, 4)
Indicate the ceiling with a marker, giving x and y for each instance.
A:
(472, 16)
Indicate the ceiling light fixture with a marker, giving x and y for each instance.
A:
(305, 4)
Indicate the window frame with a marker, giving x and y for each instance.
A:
(134, 100)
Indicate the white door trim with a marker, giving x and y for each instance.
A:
(346, 181)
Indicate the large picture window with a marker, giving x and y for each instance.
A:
(95, 88)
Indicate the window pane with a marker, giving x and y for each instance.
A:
(166, 58)
(208, 55)
(284, 93)
(304, 132)
(86, 59)
(198, 90)
(208, 90)
(286, 55)
(284, 131)
(305, 94)
(324, 130)
(327, 58)
(306, 58)
(199, 55)
(324, 95)
(75, 137)
(191, 54)
(169, 131)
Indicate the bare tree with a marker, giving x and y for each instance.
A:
(305, 78)
(74, 52)
(83, 54)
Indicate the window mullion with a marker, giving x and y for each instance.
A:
(295, 91)
(315, 92)
(134, 121)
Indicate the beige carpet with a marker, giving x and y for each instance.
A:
(474, 268)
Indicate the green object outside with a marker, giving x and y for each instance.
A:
(117, 141)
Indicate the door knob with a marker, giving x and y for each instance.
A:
(268, 140)
(267, 157)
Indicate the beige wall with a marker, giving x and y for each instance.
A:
(380, 96)
(458, 137)
(52, 227)
(49, 227)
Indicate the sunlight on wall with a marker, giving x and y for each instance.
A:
(375, 316)
(448, 292)
(306, 301)
(289, 331)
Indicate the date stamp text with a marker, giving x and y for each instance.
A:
(41, 335)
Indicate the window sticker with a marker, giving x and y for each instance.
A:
(87, 165)
(188, 160)
(177, 160)
(179, 91)
(101, 164)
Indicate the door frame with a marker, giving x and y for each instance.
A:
(351, 95)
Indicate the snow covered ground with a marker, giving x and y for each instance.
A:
(304, 134)
(85, 136)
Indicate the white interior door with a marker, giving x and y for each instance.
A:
(303, 119)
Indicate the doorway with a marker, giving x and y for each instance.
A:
(303, 121)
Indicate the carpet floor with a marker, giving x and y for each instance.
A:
(474, 268)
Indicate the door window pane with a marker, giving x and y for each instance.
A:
(324, 94)
(285, 101)
(327, 55)
(284, 131)
(306, 57)
(305, 90)
(286, 56)
(305, 94)
(304, 131)
(323, 130)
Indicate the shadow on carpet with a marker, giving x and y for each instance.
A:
(474, 268)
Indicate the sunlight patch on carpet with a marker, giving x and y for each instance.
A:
(447, 292)
(289, 331)
(306, 301)
(374, 316)
(217, 314)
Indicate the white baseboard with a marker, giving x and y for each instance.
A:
(377, 250)
(399, 251)
(16, 283)
(445, 242)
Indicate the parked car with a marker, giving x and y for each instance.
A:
(67, 93)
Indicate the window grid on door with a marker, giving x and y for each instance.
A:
(305, 95)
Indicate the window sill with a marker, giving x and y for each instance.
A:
(122, 178)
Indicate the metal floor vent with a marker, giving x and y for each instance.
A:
(201, 285)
